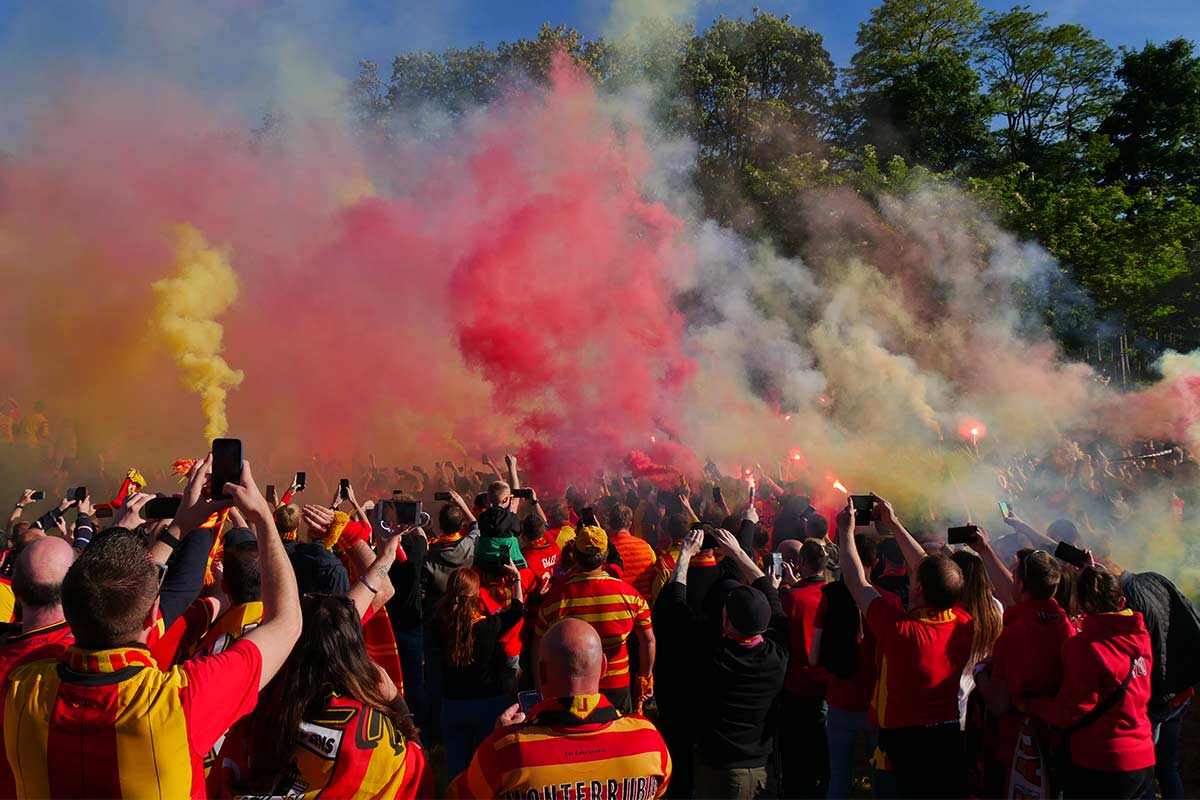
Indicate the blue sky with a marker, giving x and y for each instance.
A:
(94, 30)
(245, 52)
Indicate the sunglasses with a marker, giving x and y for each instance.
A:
(162, 574)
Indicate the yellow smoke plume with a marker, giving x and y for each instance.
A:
(188, 302)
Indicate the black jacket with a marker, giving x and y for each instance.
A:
(1174, 628)
(736, 686)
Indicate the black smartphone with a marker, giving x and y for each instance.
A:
(226, 465)
(301, 480)
(524, 494)
(962, 534)
(1006, 509)
(161, 508)
(1071, 554)
(39, 495)
(864, 505)
(528, 700)
(344, 489)
(777, 564)
(717, 495)
(399, 513)
(80, 494)
(270, 489)
(441, 497)
(588, 516)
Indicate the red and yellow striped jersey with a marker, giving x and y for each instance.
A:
(608, 604)
(110, 723)
(345, 750)
(665, 565)
(48, 642)
(571, 748)
(229, 627)
(8, 601)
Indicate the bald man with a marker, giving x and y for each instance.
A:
(37, 584)
(574, 741)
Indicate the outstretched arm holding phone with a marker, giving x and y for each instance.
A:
(914, 554)
(854, 574)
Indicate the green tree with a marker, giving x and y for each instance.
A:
(757, 85)
(1155, 123)
(902, 34)
(534, 57)
(454, 80)
(911, 89)
(932, 113)
(1051, 85)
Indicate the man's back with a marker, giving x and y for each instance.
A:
(570, 747)
(638, 559)
(110, 723)
(608, 604)
(923, 653)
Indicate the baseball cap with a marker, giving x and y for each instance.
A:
(590, 539)
(748, 610)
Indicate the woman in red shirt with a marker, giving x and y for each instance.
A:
(1106, 664)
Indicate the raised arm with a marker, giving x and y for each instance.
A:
(914, 554)
(456, 498)
(15, 516)
(514, 482)
(280, 627)
(998, 574)
(729, 545)
(854, 574)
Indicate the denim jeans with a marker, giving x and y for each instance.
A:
(1167, 725)
(843, 729)
(466, 723)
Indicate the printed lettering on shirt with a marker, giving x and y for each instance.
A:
(375, 727)
(642, 788)
(1139, 668)
(321, 740)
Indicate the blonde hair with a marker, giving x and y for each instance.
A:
(287, 518)
(498, 492)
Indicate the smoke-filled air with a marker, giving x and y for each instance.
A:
(532, 276)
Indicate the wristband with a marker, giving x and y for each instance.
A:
(363, 580)
(169, 540)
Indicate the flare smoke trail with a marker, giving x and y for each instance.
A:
(534, 275)
(187, 304)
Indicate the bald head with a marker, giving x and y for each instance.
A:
(570, 659)
(38, 576)
(790, 550)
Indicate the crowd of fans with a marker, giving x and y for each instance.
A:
(627, 640)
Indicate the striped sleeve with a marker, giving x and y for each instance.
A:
(482, 776)
(641, 611)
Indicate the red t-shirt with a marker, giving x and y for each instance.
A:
(542, 556)
(923, 652)
(497, 596)
(800, 604)
(1095, 662)
(1028, 658)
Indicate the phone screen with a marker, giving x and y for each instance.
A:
(301, 477)
(962, 534)
(344, 488)
(161, 508)
(1071, 554)
(864, 504)
(777, 564)
(39, 495)
(528, 700)
(399, 513)
(1005, 509)
(226, 465)
(717, 494)
(81, 494)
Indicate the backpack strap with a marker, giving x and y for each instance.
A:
(1107, 704)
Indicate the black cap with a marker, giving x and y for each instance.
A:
(748, 610)
(318, 571)
(238, 537)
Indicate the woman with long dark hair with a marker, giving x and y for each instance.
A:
(478, 682)
(1103, 698)
(331, 722)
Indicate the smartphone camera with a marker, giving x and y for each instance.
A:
(864, 507)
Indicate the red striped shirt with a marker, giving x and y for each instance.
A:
(608, 604)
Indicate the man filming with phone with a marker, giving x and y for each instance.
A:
(924, 651)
